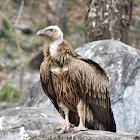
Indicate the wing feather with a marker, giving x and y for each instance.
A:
(46, 82)
(90, 80)
(93, 86)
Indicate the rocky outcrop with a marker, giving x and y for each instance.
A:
(121, 63)
(24, 123)
(37, 98)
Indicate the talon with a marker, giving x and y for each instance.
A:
(59, 127)
(65, 127)
(61, 132)
(80, 128)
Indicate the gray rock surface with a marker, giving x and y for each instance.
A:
(36, 98)
(24, 123)
(122, 64)
(28, 81)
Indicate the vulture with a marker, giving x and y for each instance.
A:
(78, 87)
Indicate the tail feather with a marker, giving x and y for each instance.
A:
(100, 121)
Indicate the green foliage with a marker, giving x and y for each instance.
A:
(80, 29)
(137, 1)
(12, 42)
(1, 68)
(13, 91)
(7, 33)
(16, 100)
(1, 50)
(28, 54)
(136, 35)
(137, 28)
(14, 49)
(5, 22)
(138, 39)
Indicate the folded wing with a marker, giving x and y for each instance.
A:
(93, 88)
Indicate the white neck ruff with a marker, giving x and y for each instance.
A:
(54, 46)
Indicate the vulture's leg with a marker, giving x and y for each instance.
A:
(67, 124)
(81, 113)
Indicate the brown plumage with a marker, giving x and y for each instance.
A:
(78, 87)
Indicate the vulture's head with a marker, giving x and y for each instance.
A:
(52, 33)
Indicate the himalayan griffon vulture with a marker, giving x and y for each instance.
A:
(78, 87)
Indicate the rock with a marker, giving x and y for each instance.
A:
(26, 46)
(28, 123)
(36, 61)
(122, 64)
(6, 60)
(23, 123)
(28, 81)
(37, 98)
(4, 105)
(26, 30)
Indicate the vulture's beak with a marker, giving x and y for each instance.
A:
(41, 32)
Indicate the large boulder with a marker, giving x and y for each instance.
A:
(28, 124)
(122, 64)
(24, 123)
(36, 98)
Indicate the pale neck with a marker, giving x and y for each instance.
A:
(54, 46)
(58, 41)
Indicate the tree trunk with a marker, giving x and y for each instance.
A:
(108, 19)
(56, 13)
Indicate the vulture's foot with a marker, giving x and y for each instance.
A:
(80, 128)
(64, 128)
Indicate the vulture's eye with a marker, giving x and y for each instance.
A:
(50, 30)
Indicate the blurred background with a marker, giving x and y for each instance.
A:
(21, 49)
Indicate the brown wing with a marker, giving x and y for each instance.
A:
(93, 86)
(46, 82)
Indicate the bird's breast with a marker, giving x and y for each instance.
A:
(57, 69)
(64, 87)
